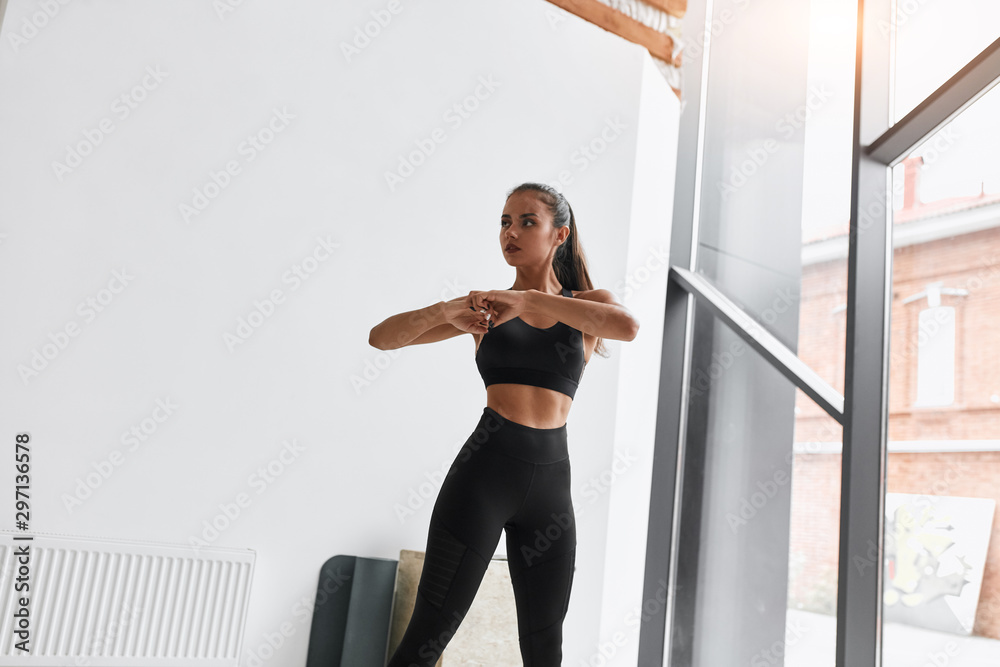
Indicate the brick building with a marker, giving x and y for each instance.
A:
(944, 420)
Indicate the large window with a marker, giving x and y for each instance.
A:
(941, 588)
(827, 457)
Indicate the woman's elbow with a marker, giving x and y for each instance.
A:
(374, 340)
(633, 329)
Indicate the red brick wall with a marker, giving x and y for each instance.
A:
(812, 584)
(972, 262)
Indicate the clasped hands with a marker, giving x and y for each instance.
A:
(480, 311)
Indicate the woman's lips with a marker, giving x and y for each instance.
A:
(511, 248)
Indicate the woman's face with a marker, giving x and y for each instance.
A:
(526, 233)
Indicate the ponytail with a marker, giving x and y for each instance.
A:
(569, 262)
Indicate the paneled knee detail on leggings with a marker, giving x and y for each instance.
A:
(506, 477)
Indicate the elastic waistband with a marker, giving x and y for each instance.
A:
(496, 433)
(499, 417)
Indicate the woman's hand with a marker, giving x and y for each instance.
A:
(503, 304)
(469, 314)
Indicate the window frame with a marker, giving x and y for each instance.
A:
(878, 146)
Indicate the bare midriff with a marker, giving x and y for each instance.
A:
(537, 407)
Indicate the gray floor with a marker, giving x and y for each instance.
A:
(810, 642)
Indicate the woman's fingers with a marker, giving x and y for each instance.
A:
(482, 306)
(480, 303)
(484, 316)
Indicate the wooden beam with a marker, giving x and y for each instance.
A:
(657, 43)
(673, 7)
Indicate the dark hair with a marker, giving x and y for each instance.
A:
(569, 263)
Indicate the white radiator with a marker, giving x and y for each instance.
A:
(101, 603)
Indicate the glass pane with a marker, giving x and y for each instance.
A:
(775, 206)
(757, 568)
(935, 39)
(941, 594)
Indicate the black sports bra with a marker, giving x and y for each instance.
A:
(516, 352)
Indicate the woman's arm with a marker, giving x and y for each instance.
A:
(406, 328)
(595, 312)
(438, 321)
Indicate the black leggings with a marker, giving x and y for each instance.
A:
(515, 477)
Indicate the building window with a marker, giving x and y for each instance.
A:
(936, 357)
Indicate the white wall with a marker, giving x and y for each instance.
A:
(340, 127)
(643, 289)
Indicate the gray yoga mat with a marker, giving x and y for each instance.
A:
(350, 624)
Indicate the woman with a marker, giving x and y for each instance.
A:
(513, 473)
